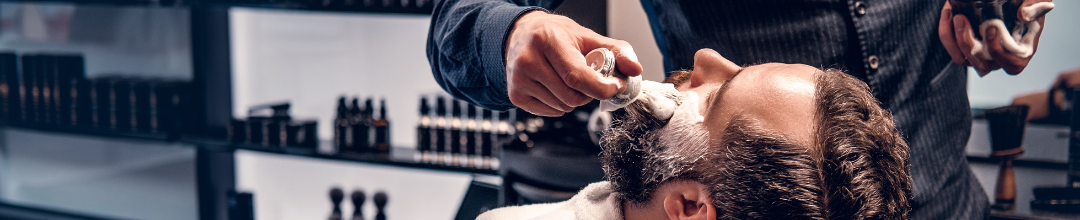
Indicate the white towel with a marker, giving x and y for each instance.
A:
(596, 202)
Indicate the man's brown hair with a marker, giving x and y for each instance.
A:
(859, 170)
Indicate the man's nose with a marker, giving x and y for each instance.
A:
(710, 66)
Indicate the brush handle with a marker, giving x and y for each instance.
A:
(1005, 190)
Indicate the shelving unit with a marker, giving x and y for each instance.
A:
(214, 166)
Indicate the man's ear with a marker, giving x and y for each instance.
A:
(688, 200)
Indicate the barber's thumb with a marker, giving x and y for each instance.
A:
(626, 61)
(1034, 11)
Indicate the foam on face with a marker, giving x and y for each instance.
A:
(662, 99)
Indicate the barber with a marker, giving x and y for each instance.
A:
(500, 54)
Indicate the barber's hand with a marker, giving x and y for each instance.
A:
(956, 34)
(1038, 107)
(1068, 79)
(546, 72)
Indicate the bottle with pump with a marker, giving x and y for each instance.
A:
(423, 131)
(455, 133)
(471, 133)
(440, 129)
(382, 130)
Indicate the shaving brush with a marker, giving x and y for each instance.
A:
(1006, 137)
(978, 11)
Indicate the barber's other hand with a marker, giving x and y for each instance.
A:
(1038, 102)
(956, 34)
(546, 72)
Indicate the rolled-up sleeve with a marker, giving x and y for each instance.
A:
(466, 43)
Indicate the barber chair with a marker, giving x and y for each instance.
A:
(549, 159)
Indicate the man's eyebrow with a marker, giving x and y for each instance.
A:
(716, 94)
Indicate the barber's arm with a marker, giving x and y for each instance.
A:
(500, 55)
(956, 34)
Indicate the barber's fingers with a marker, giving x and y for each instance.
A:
(948, 36)
(626, 60)
(525, 67)
(1031, 10)
(536, 107)
(1008, 61)
(569, 62)
(532, 97)
(970, 46)
(559, 88)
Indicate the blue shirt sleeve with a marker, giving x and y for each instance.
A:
(465, 47)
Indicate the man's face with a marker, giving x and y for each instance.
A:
(768, 103)
(777, 97)
(751, 136)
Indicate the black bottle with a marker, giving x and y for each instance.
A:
(277, 128)
(341, 126)
(440, 129)
(46, 76)
(471, 136)
(423, 131)
(382, 130)
(361, 131)
(502, 132)
(26, 91)
(121, 104)
(167, 112)
(455, 133)
(302, 133)
(71, 72)
(102, 102)
(486, 140)
(9, 86)
(82, 106)
(236, 132)
(357, 132)
(141, 107)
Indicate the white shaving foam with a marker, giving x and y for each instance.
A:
(661, 98)
(1022, 46)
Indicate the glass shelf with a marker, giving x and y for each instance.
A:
(401, 157)
(98, 132)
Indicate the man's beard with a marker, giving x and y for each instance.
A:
(638, 149)
(636, 162)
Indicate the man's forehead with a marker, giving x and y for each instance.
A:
(779, 97)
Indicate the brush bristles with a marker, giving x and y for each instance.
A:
(1006, 128)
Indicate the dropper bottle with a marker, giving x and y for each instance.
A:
(423, 131)
(341, 123)
(440, 129)
(382, 130)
